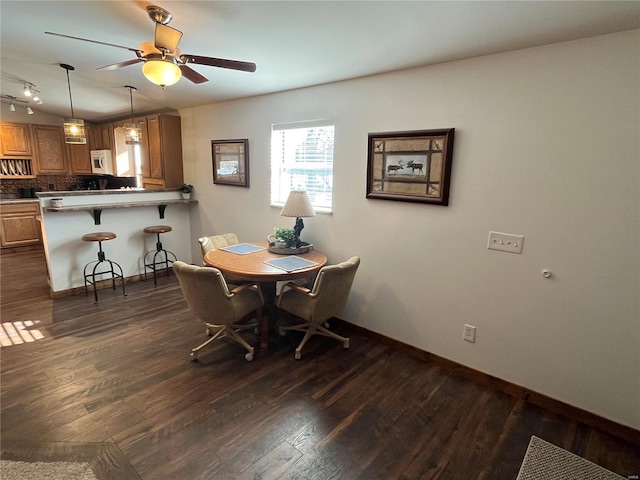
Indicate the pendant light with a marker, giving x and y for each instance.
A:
(132, 131)
(73, 127)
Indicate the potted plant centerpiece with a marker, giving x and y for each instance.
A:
(283, 241)
(286, 235)
(186, 190)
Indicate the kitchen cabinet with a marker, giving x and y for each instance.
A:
(144, 147)
(79, 159)
(163, 165)
(19, 225)
(15, 139)
(50, 149)
(100, 137)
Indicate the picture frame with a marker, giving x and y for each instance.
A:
(230, 160)
(411, 166)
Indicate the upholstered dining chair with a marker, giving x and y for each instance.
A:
(222, 311)
(217, 241)
(317, 305)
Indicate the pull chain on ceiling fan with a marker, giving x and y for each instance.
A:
(164, 65)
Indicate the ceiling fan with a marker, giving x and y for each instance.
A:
(163, 62)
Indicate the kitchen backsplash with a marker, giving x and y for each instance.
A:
(42, 183)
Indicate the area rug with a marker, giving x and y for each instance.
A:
(10, 470)
(545, 461)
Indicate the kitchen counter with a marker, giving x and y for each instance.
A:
(123, 212)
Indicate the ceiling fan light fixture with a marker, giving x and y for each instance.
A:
(161, 72)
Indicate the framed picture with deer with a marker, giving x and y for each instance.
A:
(410, 166)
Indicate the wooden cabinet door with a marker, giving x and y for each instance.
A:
(106, 137)
(18, 225)
(80, 159)
(50, 151)
(155, 148)
(100, 137)
(144, 147)
(15, 140)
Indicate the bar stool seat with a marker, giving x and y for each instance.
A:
(95, 266)
(161, 257)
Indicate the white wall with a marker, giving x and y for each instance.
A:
(546, 146)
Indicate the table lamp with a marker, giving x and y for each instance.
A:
(298, 205)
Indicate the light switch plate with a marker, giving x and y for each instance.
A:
(505, 242)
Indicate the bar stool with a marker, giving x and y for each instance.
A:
(90, 278)
(158, 254)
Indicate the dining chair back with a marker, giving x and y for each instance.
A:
(223, 312)
(215, 242)
(315, 306)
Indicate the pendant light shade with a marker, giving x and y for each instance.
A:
(73, 127)
(132, 131)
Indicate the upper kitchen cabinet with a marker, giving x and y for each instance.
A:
(50, 149)
(100, 137)
(79, 158)
(15, 139)
(163, 168)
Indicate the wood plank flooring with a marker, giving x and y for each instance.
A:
(112, 383)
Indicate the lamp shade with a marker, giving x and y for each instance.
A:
(74, 131)
(161, 72)
(298, 205)
(132, 134)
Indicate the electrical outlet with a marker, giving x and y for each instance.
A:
(505, 242)
(469, 333)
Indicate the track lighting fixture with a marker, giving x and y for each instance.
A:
(28, 92)
(36, 97)
(12, 107)
(73, 127)
(29, 111)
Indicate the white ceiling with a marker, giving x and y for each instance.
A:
(294, 44)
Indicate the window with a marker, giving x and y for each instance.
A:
(302, 159)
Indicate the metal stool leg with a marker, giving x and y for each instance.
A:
(153, 265)
(94, 272)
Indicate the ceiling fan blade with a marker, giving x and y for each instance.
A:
(126, 63)
(219, 62)
(190, 74)
(167, 38)
(92, 41)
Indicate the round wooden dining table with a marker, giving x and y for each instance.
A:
(251, 267)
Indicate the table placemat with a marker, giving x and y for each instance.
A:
(290, 263)
(242, 248)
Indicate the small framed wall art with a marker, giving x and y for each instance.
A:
(230, 162)
(410, 166)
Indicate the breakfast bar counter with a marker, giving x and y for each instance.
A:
(67, 216)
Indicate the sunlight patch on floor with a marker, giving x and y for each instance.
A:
(15, 333)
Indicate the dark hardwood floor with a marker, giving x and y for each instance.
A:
(113, 384)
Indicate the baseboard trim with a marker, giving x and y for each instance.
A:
(575, 413)
(103, 284)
